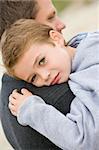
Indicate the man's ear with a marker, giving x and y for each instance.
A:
(56, 37)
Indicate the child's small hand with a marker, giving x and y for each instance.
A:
(16, 99)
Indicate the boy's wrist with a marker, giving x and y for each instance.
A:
(24, 111)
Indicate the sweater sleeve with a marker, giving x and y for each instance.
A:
(78, 130)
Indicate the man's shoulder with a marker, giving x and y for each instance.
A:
(51, 95)
(8, 84)
(8, 81)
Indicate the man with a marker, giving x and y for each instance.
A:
(41, 10)
(60, 96)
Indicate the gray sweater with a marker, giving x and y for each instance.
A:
(79, 129)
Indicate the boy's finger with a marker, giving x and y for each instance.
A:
(11, 97)
(25, 92)
(14, 113)
(11, 107)
(15, 94)
(12, 100)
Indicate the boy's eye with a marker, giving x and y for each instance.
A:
(42, 61)
(33, 78)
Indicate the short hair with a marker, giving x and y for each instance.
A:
(12, 10)
(19, 37)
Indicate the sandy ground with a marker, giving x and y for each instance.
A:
(78, 18)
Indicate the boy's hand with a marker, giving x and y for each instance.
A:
(16, 99)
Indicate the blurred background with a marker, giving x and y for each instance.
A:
(78, 16)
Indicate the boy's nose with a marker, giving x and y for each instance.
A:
(45, 75)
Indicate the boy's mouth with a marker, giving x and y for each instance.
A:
(56, 79)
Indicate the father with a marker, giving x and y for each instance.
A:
(60, 96)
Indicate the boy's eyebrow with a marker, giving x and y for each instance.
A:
(36, 60)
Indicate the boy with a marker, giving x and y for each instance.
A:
(39, 56)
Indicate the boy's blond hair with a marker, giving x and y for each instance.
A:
(18, 38)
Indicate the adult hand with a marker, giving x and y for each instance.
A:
(17, 99)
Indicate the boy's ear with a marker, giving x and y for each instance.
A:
(56, 37)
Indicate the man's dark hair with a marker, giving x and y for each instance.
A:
(12, 10)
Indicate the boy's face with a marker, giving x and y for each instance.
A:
(44, 64)
(47, 15)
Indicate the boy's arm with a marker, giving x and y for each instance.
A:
(10, 125)
(77, 130)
